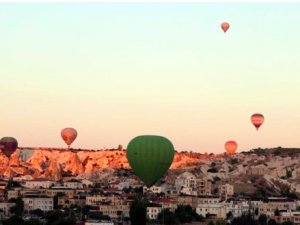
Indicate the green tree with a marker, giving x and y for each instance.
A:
(229, 215)
(168, 218)
(32, 222)
(18, 208)
(287, 223)
(211, 223)
(272, 222)
(138, 211)
(263, 219)
(37, 212)
(245, 219)
(184, 213)
(220, 222)
(14, 220)
(277, 213)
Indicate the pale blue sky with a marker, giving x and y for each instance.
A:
(115, 71)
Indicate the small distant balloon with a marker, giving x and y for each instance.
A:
(8, 145)
(257, 120)
(68, 135)
(231, 147)
(225, 26)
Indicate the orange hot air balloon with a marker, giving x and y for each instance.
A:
(225, 26)
(257, 120)
(231, 147)
(68, 135)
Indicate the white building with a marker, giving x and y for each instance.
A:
(208, 200)
(153, 210)
(73, 184)
(226, 191)
(217, 210)
(5, 208)
(120, 185)
(187, 183)
(40, 183)
(220, 210)
(43, 203)
(13, 193)
(87, 183)
(155, 189)
(189, 191)
(237, 208)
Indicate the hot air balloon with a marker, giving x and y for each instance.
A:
(257, 120)
(68, 135)
(150, 157)
(231, 147)
(225, 26)
(8, 145)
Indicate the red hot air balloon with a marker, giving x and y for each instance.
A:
(257, 120)
(231, 147)
(68, 135)
(8, 145)
(225, 26)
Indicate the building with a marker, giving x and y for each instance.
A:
(13, 193)
(188, 184)
(61, 191)
(5, 209)
(226, 191)
(167, 203)
(114, 206)
(237, 208)
(208, 199)
(153, 210)
(281, 204)
(43, 203)
(155, 189)
(293, 217)
(114, 211)
(204, 187)
(40, 183)
(73, 184)
(215, 210)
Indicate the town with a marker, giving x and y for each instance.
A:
(183, 196)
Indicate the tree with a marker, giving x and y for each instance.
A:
(18, 208)
(287, 223)
(14, 220)
(168, 218)
(56, 217)
(263, 219)
(37, 212)
(98, 216)
(277, 213)
(229, 215)
(184, 213)
(211, 223)
(272, 222)
(245, 219)
(138, 211)
(32, 222)
(220, 222)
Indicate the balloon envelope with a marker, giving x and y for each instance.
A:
(225, 26)
(150, 157)
(68, 135)
(8, 145)
(231, 147)
(257, 120)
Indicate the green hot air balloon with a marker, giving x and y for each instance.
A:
(150, 157)
(8, 145)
